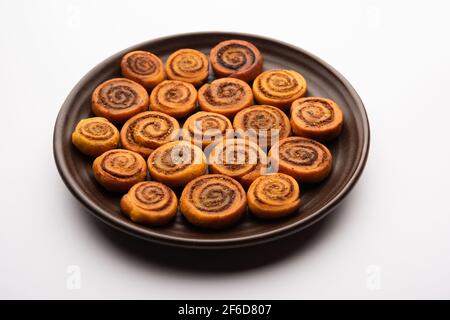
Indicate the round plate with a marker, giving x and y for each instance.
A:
(349, 150)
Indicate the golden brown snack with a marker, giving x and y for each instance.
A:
(188, 65)
(213, 201)
(273, 196)
(226, 96)
(240, 159)
(147, 131)
(316, 118)
(176, 163)
(119, 169)
(119, 99)
(236, 59)
(304, 159)
(175, 98)
(279, 88)
(150, 202)
(143, 67)
(262, 123)
(93, 136)
(202, 128)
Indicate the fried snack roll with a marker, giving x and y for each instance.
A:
(143, 67)
(119, 99)
(213, 201)
(304, 159)
(279, 88)
(316, 118)
(150, 202)
(176, 163)
(262, 122)
(147, 131)
(93, 136)
(273, 196)
(203, 128)
(175, 98)
(240, 159)
(236, 59)
(226, 96)
(119, 169)
(188, 65)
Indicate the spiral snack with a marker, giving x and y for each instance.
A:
(240, 159)
(316, 118)
(177, 163)
(150, 202)
(119, 169)
(175, 98)
(147, 131)
(93, 136)
(236, 59)
(143, 67)
(188, 65)
(279, 88)
(213, 201)
(262, 122)
(273, 196)
(119, 99)
(304, 159)
(226, 96)
(202, 128)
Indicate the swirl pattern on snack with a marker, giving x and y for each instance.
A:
(150, 202)
(203, 128)
(236, 59)
(143, 67)
(316, 118)
(302, 158)
(262, 122)
(147, 131)
(279, 88)
(119, 99)
(188, 65)
(176, 163)
(93, 136)
(119, 169)
(175, 98)
(273, 196)
(226, 96)
(213, 201)
(240, 159)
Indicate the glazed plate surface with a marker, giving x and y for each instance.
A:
(349, 151)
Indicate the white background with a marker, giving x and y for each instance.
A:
(390, 238)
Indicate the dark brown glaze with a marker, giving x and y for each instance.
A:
(350, 150)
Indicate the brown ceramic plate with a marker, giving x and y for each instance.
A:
(349, 150)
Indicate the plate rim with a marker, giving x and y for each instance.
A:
(260, 238)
